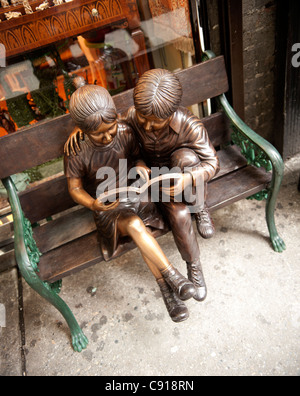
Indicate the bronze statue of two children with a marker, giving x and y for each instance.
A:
(156, 133)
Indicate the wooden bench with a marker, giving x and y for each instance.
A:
(51, 251)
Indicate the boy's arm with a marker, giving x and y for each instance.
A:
(73, 143)
(128, 116)
(197, 139)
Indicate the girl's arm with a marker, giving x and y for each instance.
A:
(80, 196)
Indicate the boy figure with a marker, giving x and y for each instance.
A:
(163, 127)
(169, 135)
(107, 141)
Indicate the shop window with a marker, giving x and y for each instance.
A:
(45, 44)
(36, 83)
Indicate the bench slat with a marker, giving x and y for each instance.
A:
(65, 260)
(45, 140)
(7, 260)
(76, 256)
(203, 81)
(6, 234)
(200, 82)
(65, 229)
(34, 145)
(218, 130)
(46, 199)
(243, 183)
(231, 160)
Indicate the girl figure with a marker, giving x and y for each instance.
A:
(107, 141)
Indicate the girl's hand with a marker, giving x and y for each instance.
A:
(99, 206)
(144, 172)
(73, 143)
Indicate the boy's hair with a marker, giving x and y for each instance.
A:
(158, 93)
(90, 106)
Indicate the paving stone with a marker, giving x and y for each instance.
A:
(10, 346)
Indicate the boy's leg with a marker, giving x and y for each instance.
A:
(204, 222)
(180, 221)
(187, 158)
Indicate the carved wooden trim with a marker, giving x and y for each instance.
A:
(67, 20)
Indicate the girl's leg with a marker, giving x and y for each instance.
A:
(153, 268)
(150, 249)
(154, 256)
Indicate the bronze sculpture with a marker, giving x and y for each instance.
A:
(170, 135)
(107, 141)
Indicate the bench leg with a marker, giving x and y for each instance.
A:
(79, 340)
(276, 240)
(271, 195)
(260, 153)
(28, 256)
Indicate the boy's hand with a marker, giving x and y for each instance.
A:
(179, 185)
(72, 143)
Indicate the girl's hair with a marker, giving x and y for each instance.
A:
(90, 106)
(158, 93)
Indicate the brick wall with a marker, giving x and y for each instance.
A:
(259, 21)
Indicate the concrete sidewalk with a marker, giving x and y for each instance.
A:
(249, 324)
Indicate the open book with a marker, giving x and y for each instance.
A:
(138, 190)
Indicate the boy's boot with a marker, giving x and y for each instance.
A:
(195, 275)
(205, 225)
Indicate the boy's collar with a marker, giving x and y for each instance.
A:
(176, 122)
